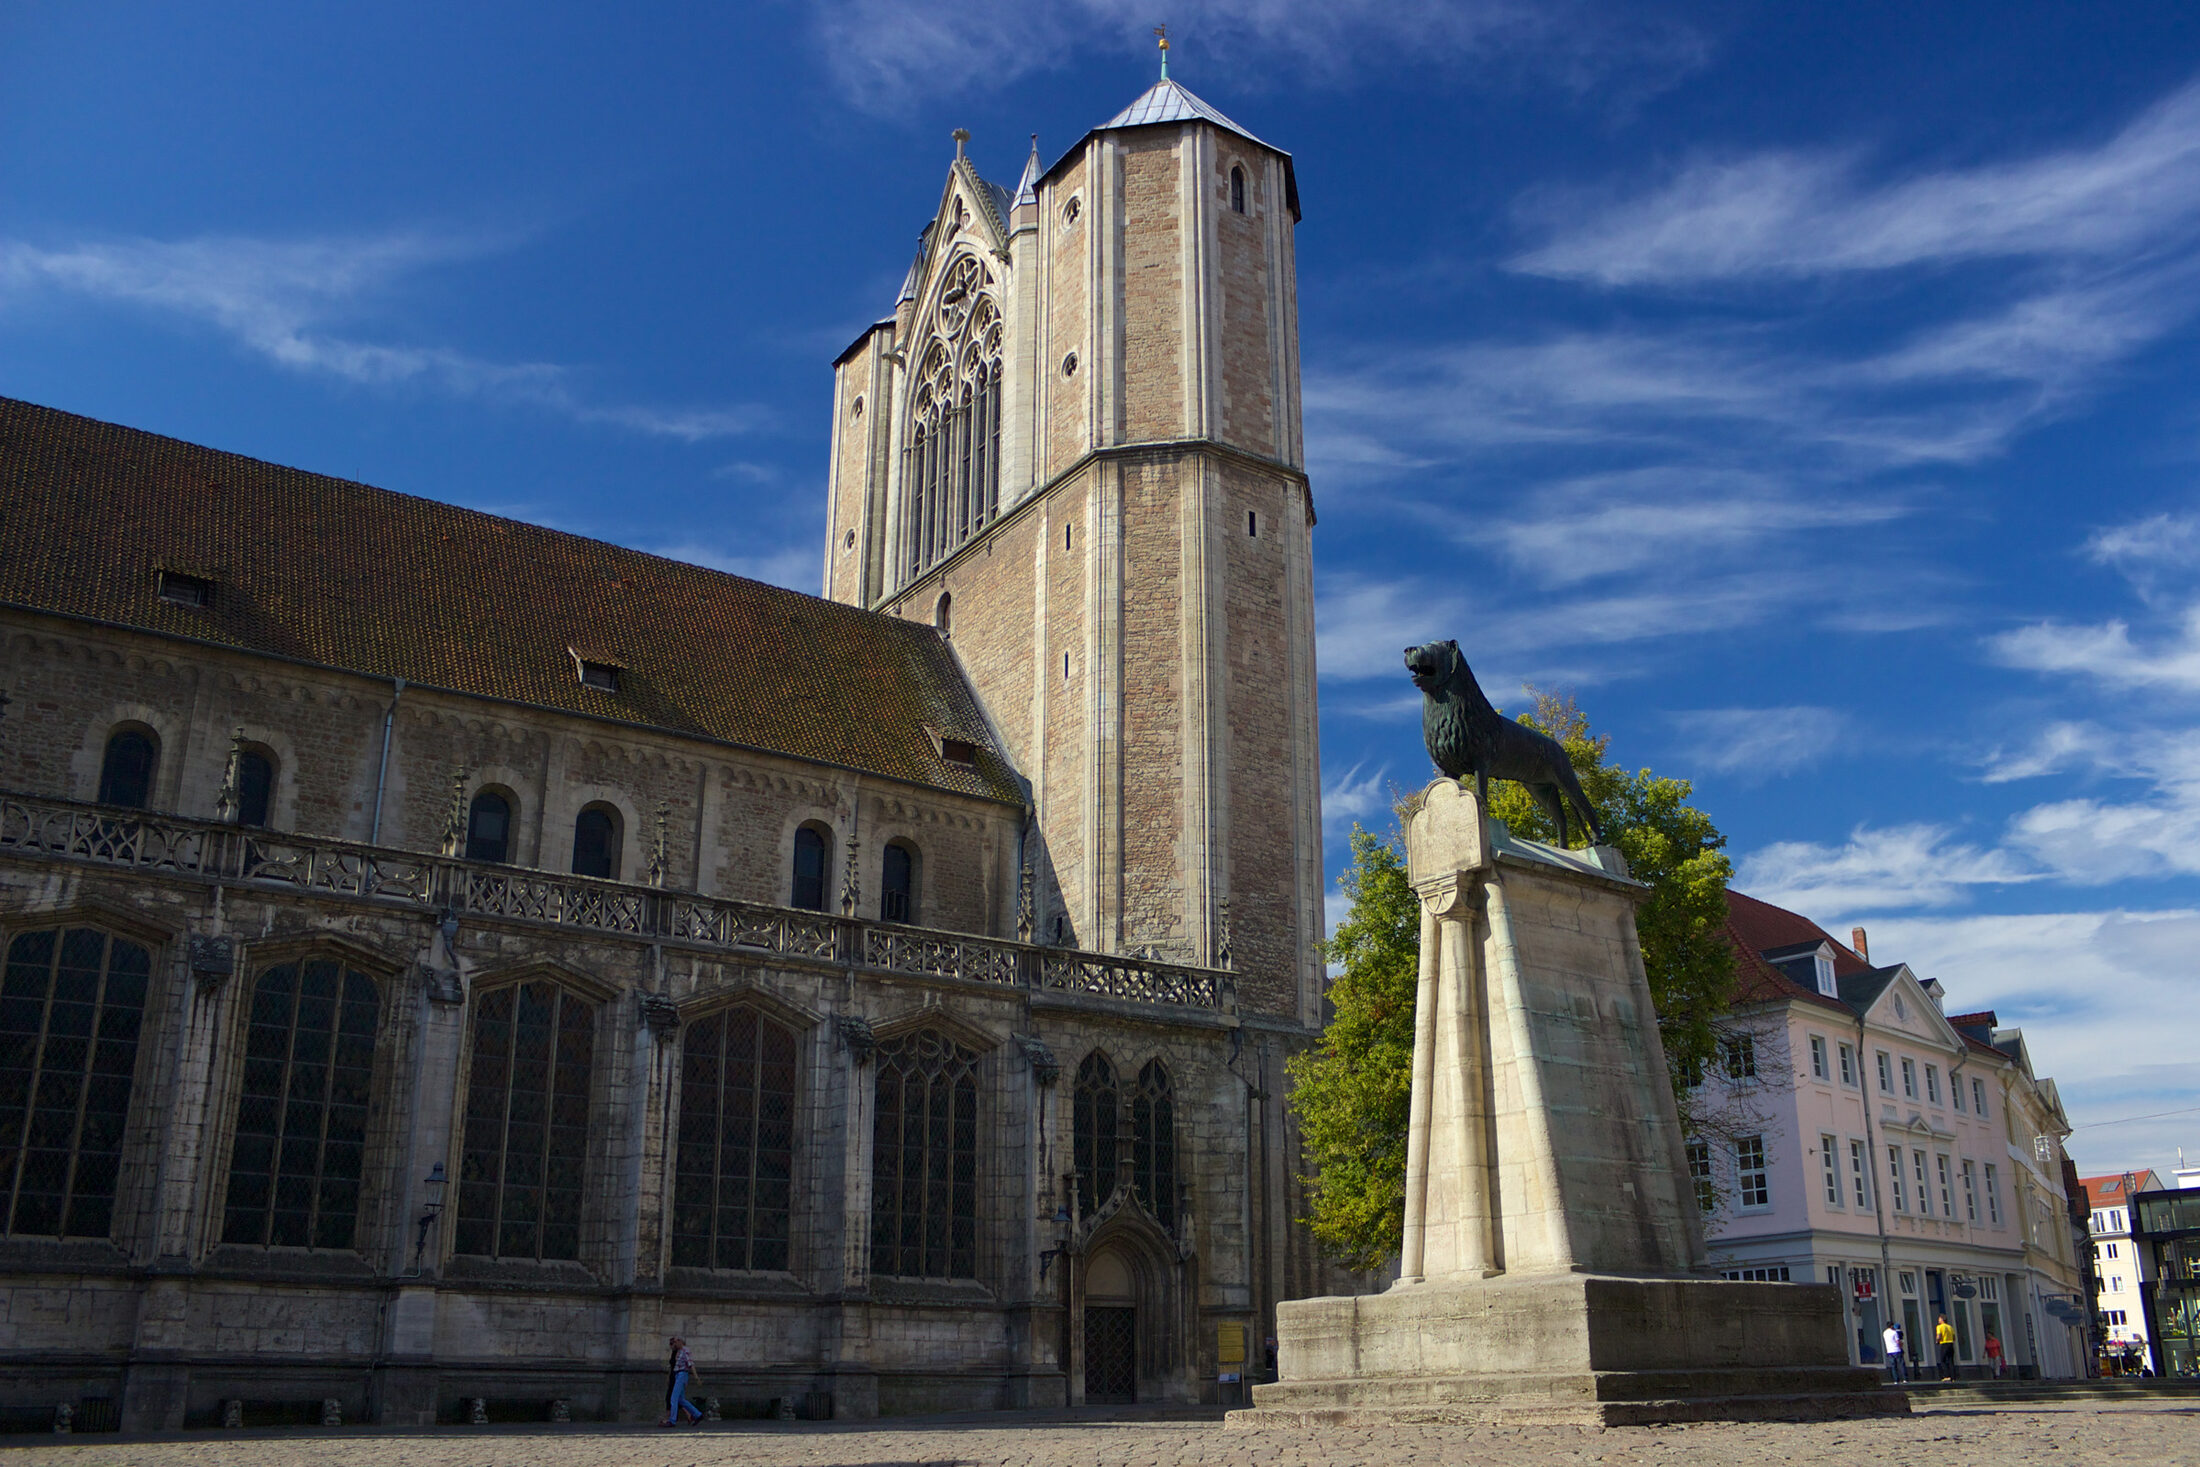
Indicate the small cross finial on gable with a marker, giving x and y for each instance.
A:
(1162, 32)
(961, 136)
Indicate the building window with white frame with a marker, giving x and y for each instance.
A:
(1699, 1174)
(1752, 1178)
(1932, 1083)
(1955, 1090)
(1909, 1077)
(1848, 1065)
(1886, 1073)
(1860, 1174)
(1741, 1056)
(1818, 1069)
(1924, 1186)
(1970, 1191)
(1947, 1193)
(1894, 1172)
(1993, 1196)
(1829, 1157)
(1978, 1097)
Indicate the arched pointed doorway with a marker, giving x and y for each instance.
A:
(1111, 1330)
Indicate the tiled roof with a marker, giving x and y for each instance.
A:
(1166, 101)
(1754, 928)
(2102, 1190)
(331, 572)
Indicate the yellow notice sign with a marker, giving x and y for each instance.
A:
(1230, 1344)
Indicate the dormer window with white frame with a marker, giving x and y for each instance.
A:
(179, 589)
(1822, 964)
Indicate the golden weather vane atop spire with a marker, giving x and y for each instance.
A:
(1163, 32)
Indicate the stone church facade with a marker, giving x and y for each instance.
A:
(441, 957)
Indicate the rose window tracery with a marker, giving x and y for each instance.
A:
(953, 472)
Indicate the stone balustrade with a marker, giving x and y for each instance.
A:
(36, 828)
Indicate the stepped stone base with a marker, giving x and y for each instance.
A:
(1567, 1348)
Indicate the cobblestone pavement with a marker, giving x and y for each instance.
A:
(2157, 1434)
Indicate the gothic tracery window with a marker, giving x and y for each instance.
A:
(522, 1164)
(924, 1159)
(71, 1005)
(302, 1120)
(1093, 1116)
(731, 1201)
(1153, 1141)
(952, 479)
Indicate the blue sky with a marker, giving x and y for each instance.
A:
(1810, 389)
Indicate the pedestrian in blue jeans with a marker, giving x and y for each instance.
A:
(683, 1371)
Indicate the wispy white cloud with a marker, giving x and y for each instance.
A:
(291, 302)
(1888, 869)
(797, 567)
(2105, 652)
(2060, 746)
(885, 52)
(1792, 214)
(1760, 743)
(2087, 988)
(1356, 796)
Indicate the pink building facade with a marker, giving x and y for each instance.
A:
(1857, 1134)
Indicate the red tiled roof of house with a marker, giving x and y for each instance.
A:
(2110, 1188)
(1754, 927)
(339, 574)
(1986, 1017)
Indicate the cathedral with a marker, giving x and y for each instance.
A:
(444, 957)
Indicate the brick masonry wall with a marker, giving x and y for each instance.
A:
(1155, 853)
(1248, 374)
(1150, 333)
(1068, 318)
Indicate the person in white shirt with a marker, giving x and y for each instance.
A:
(1891, 1337)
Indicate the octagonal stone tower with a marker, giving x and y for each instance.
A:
(1075, 447)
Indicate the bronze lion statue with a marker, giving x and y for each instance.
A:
(1465, 735)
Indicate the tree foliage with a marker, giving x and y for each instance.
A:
(1353, 1091)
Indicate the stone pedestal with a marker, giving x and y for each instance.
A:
(1553, 1260)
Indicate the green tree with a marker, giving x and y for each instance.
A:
(1352, 1092)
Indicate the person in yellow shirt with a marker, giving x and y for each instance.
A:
(1944, 1335)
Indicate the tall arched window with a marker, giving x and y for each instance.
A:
(1153, 1141)
(897, 898)
(812, 858)
(489, 828)
(1237, 190)
(255, 786)
(951, 478)
(126, 771)
(596, 843)
(522, 1163)
(302, 1122)
(1094, 1114)
(924, 1159)
(71, 1004)
(734, 1190)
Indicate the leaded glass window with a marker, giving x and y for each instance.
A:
(924, 1159)
(522, 1164)
(1095, 1112)
(71, 1006)
(596, 844)
(897, 883)
(489, 828)
(1153, 1141)
(126, 770)
(812, 854)
(952, 470)
(731, 1197)
(302, 1118)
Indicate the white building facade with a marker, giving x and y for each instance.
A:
(1856, 1134)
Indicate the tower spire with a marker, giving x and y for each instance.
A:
(1162, 31)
